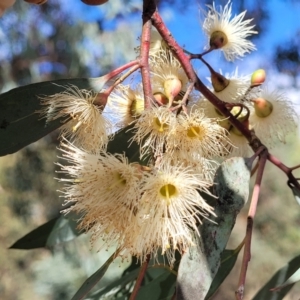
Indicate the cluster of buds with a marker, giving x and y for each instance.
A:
(158, 207)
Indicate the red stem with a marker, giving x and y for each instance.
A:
(102, 96)
(292, 182)
(122, 68)
(148, 6)
(252, 210)
(140, 278)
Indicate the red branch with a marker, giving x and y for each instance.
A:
(140, 278)
(292, 181)
(121, 69)
(252, 210)
(144, 55)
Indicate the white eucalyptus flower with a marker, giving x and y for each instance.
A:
(170, 208)
(235, 88)
(168, 77)
(239, 145)
(152, 129)
(104, 190)
(273, 116)
(228, 34)
(197, 133)
(126, 104)
(84, 123)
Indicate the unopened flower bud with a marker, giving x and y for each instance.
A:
(263, 108)
(172, 87)
(218, 39)
(219, 82)
(161, 98)
(258, 77)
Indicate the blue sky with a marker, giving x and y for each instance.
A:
(185, 25)
(284, 23)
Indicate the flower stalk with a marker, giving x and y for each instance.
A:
(250, 219)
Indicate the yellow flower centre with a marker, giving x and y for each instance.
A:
(218, 39)
(168, 191)
(160, 126)
(119, 181)
(136, 107)
(195, 132)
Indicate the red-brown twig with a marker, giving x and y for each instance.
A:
(292, 181)
(140, 278)
(102, 96)
(123, 68)
(199, 56)
(148, 7)
(108, 91)
(252, 210)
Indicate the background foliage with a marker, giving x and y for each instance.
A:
(55, 41)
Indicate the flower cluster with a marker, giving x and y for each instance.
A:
(152, 203)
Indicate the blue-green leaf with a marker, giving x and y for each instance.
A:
(93, 280)
(37, 238)
(64, 230)
(228, 260)
(201, 263)
(291, 280)
(55, 231)
(119, 283)
(282, 281)
(161, 287)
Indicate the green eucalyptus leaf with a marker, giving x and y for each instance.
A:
(281, 282)
(37, 238)
(64, 230)
(93, 280)
(20, 124)
(55, 231)
(291, 280)
(228, 260)
(119, 283)
(200, 264)
(161, 287)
